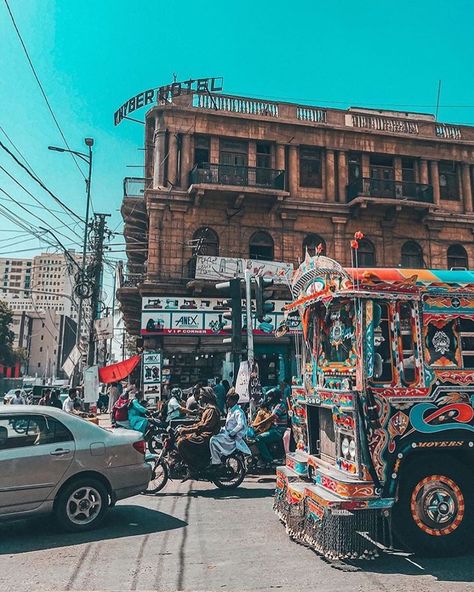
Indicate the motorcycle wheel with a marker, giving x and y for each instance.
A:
(159, 476)
(154, 443)
(232, 474)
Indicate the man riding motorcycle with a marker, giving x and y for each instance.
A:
(193, 442)
(278, 424)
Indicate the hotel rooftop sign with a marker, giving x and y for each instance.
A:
(164, 94)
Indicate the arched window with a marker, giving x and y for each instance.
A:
(366, 253)
(205, 242)
(412, 255)
(457, 257)
(311, 242)
(261, 246)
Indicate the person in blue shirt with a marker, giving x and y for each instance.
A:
(279, 418)
(220, 392)
(137, 414)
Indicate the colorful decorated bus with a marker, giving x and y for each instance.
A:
(383, 414)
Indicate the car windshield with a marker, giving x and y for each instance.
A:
(337, 334)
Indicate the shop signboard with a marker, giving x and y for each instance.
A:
(152, 374)
(171, 315)
(217, 268)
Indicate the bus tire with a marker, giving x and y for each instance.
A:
(434, 514)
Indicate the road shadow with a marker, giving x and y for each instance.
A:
(35, 534)
(239, 493)
(444, 569)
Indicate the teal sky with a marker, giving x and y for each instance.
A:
(92, 55)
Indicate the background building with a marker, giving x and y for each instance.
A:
(234, 177)
(39, 291)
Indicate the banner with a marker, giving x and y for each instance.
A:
(119, 371)
(217, 268)
(104, 328)
(91, 384)
(71, 361)
(171, 315)
(152, 374)
(242, 382)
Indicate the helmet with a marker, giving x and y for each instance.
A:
(176, 392)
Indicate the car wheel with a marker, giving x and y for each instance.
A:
(434, 515)
(81, 505)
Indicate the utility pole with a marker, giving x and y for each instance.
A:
(99, 228)
(248, 298)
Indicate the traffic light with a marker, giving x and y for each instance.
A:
(233, 289)
(262, 294)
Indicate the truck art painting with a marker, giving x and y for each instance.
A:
(383, 413)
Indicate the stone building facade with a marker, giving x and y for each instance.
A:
(239, 177)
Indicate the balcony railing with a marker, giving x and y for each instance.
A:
(243, 176)
(390, 189)
(135, 186)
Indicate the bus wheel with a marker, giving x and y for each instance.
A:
(434, 515)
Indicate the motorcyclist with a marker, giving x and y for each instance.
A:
(231, 437)
(193, 442)
(276, 431)
(137, 414)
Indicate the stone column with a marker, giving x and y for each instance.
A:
(340, 248)
(214, 155)
(186, 159)
(252, 156)
(293, 171)
(159, 159)
(435, 181)
(423, 178)
(330, 176)
(172, 158)
(397, 168)
(154, 242)
(342, 176)
(466, 187)
(280, 157)
(365, 165)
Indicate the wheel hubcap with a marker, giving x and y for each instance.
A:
(83, 505)
(437, 505)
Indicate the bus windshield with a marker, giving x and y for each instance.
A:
(337, 335)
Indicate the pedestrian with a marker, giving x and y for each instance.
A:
(226, 385)
(45, 397)
(113, 396)
(231, 437)
(18, 399)
(54, 400)
(220, 392)
(68, 405)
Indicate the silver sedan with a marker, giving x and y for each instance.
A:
(52, 461)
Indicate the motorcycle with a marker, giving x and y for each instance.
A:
(153, 434)
(168, 465)
(276, 449)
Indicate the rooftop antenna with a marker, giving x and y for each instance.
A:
(437, 100)
(175, 77)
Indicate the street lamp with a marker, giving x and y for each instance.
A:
(89, 142)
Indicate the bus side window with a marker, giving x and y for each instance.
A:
(466, 333)
(407, 341)
(383, 370)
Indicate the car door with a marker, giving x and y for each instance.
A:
(35, 452)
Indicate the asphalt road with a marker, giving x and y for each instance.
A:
(193, 537)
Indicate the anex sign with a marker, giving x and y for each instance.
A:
(165, 93)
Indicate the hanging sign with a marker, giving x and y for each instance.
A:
(152, 374)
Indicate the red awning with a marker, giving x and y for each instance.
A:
(116, 372)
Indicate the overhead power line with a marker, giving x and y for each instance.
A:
(41, 86)
(41, 184)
